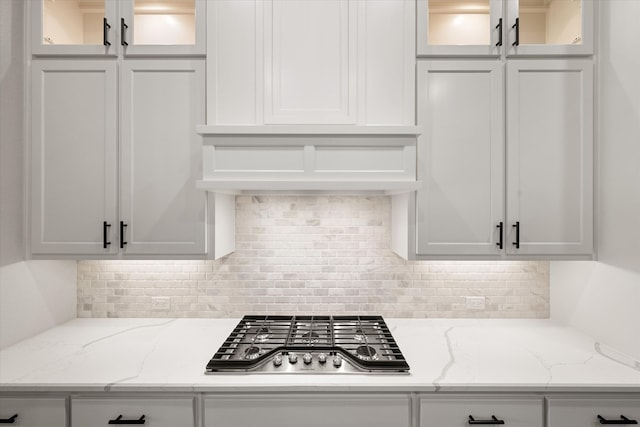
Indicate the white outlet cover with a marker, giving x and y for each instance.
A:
(160, 303)
(476, 303)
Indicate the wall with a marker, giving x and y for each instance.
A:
(602, 298)
(316, 255)
(34, 295)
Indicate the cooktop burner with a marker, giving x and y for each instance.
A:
(309, 344)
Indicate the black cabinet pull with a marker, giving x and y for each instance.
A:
(119, 420)
(500, 227)
(622, 420)
(123, 28)
(9, 420)
(499, 28)
(122, 241)
(516, 26)
(493, 420)
(105, 232)
(105, 32)
(517, 227)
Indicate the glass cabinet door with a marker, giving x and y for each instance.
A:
(460, 27)
(72, 27)
(562, 27)
(163, 26)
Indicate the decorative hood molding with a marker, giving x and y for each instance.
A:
(309, 159)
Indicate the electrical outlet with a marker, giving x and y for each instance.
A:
(476, 303)
(160, 303)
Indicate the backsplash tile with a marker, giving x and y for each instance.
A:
(313, 255)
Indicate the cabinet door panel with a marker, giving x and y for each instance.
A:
(455, 412)
(73, 156)
(460, 158)
(158, 411)
(584, 412)
(310, 411)
(162, 101)
(36, 412)
(550, 160)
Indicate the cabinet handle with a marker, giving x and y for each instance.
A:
(517, 227)
(500, 227)
(123, 28)
(493, 420)
(119, 420)
(499, 28)
(122, 241)
(9, 420)
(105, 232)
(622, 420)
(105, 32)
(516, 26)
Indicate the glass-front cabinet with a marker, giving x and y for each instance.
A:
(512, 27)
(111, 27)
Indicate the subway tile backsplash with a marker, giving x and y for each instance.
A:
(312, 255)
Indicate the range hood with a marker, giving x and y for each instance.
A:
(309, 159)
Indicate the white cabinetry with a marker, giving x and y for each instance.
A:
(546, 208)
(464, 410)
(74, 164)
(111, 27)
(513, 27)
(33, 412)
(308, 409)
(580, 412)
(155, 412)
(310, 62)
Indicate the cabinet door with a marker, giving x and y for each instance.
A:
(456, 412)
(155, 412)
(567, 412)
(460, 158)
(163, 28)
(161, 209)
(73, 157)
(550, 157)
(74, 27)
(460, 27)
(308, 410)
(33, 412)
(560, 27)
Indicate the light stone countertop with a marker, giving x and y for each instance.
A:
(97, 355)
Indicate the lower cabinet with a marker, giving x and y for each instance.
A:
(582, 412)
(152, 412)
(454, 411)
(309, 410)
(33, 412)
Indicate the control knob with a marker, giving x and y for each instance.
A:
(277, 360)
(293, 358)
(322, 358)
(337, 361)
(307, 358)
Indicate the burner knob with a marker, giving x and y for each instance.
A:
(293, 358)
(277, 361)
(322, 358)
(337, 361)
(307, 358)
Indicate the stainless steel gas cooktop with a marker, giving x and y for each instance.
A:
(310, 345)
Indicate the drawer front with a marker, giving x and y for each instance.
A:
(455, 411)
(308, 410)
(36, 412)
(157, 412)
(584, 412)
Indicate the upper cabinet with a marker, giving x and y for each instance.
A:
(113, 27)
(512, 27)
(338, 62)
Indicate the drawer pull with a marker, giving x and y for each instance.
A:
(9, 420)
(622, 420)
(493, 420)
(119, 420)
